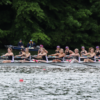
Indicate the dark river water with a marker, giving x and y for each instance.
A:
(47, 83)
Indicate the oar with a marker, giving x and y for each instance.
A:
(53, 64)
(82, 63)
(3, 57)
(87, 64)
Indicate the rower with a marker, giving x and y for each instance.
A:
(22, 51)
(90, 49)
(68, 51)
(97, 51)
(41, 46)
(31, 44)
(57, 49)
(27, 56)
(91, 57)
(10, 56)
(59, 56)
(43, 55)
(20, 44)
(83, 51)
(75, 55)
(39, 52)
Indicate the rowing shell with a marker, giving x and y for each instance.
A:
(50, 64)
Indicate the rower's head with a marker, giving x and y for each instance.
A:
(97, 48)
(92, 50)
(9, 50)
(58, 47)
(41, 46)
(26, 50)
(76, 50)
(61, 50)
(83, 48)
(67, 48)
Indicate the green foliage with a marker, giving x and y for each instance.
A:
(57, 22)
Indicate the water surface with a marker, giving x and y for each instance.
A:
(49, 83)
(45, 83)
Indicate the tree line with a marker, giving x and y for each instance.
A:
(50, 22)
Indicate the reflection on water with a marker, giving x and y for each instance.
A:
(49, 84)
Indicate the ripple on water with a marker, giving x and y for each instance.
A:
(50, 84)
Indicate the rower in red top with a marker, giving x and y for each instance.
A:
(83, 51)
(57, 49)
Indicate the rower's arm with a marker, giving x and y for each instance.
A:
(38, 51)
(71, 51)
(54, 54)
(8, 54)
(93, 55)
(75, 54)
(46, 51)
(44, 54)
(85, 51)
(21, 55)
(5, 54)
(81, 53)
(62, 56)
(86, 54)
